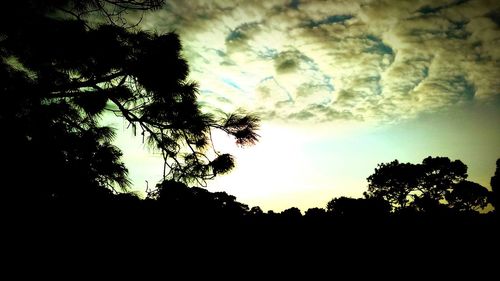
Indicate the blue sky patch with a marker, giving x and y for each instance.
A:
(294, 4)
(428, 10)
(271, 78)
(239, 32)
(231, 83)
(328, 82)
(469, 90)
(378, 47)
(425, 72)
(235, 35)
(268, 53)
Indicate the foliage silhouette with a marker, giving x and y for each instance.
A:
(432, 187)
(358, 207)
(393, 182)
(467, 196)
(495, 187)
(178, 200)
(292, 213)
(256, 211)
(315, 213)
(439, 176)
(63, 66)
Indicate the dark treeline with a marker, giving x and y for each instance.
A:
(435, 193)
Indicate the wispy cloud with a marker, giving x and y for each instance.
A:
(319, 61)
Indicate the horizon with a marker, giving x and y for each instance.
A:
(340, 87)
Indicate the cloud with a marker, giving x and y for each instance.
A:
(321, 61)
(334, 19)
(288, 61)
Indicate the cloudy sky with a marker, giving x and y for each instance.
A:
(340, 86)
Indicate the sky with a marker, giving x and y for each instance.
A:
(340, 86)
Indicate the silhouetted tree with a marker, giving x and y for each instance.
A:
(291, 214)
(315, 213)
(271, 213)
(393, 182)
(424, 203)
(425, 186)
(342, 206)
(495, 188)
(358, 207)
(227, 206)
(467, 196)
(438, 176)
(179, 199)
(256, 211)
(60, 72)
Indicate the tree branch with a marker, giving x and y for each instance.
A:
(88, 83)
(132, 118)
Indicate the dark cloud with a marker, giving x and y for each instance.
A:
(495, 16)
(294, 4)
(288, 61)
(335, 19)
(303, 115)
(283, 104)
(436, 8)
(345, 97)
(242, 32)
(326, 113)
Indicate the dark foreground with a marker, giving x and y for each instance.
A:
(146, 239)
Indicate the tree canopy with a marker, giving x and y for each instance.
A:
(65, 63)
(428, 186)
(467, 196)
(393, 182)
(358, 207)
